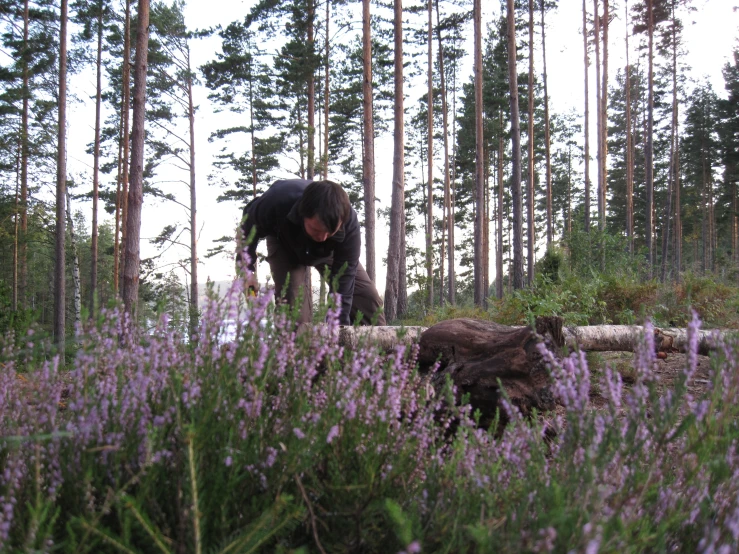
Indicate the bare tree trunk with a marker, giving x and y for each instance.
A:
(96, 164)
(587, 117)
(430, 160)
(649, 149)
(629, 144)
(118, 209)
(23, 236)
(126, 135)
(311, 94)
(61, 189)
(678, 223)
(326, 98)
(516, 151)
(499, 253)
(448, 216)
(480, 296)
(671, 178)
(76, 286)
(530, 235)
(135, 193)
(397, 207)
(193, 208)
(547, 138)
(368, 162)
(598, 114)
(16, 224)
(604, 23)
(402, 270)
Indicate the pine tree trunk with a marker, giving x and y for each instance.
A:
(402, 271)
(326, 90)
(598, 115)
(96, 163)
(604, 116)
(430, 160)
(586, 117)
(118, 208)
(135, 192)
(61, 188)
(629, 144)
(311, 94)
(368, 162)
(126, 136)
(517, 281)
(530, 235)
(397, 207)
(16, 226)
(193, 208)
(649, 149)
(671, 177)
(76, 283)
(480, 296)
(448, 217)
(23, 236)
(547, 137)
(499, 252)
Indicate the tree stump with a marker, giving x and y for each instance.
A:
(480, 357)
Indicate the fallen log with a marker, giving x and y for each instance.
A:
(590, 338)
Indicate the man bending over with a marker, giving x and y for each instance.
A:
(312, 224)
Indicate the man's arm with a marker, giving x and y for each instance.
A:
(346, 258)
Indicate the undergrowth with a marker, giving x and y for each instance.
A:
(279, 441)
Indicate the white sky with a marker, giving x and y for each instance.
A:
(710, 35)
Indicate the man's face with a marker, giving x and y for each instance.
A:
(316, 230)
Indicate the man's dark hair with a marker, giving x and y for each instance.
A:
(328, 201)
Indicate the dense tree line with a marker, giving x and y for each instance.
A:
(481, 167)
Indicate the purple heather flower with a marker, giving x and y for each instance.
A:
(298, 433)
(228, 461)
(332, 434)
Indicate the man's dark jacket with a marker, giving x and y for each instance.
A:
(275, 213)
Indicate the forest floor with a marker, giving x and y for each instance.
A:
(667, 370)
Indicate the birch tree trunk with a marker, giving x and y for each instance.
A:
(517, 280)
(368, 162)
(135, 192)
(480, 294)
(61, 189)
(397, 207)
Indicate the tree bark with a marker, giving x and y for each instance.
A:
(430, 160)
(397, 207)
(61, 189)
(368, 162)
(499, 252)
(193, 207)
(530, 235)
(586, 122)
(23, 235)
(516, 151)
(649, 149)
(76, 285)
(96, 163)
(629, 143)
(605, 22)
(135, 193)
(326, 99)
(480, 296)
(311, 93)
(126, 135)
(448, 216)
(598, 115)
(547, 138)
